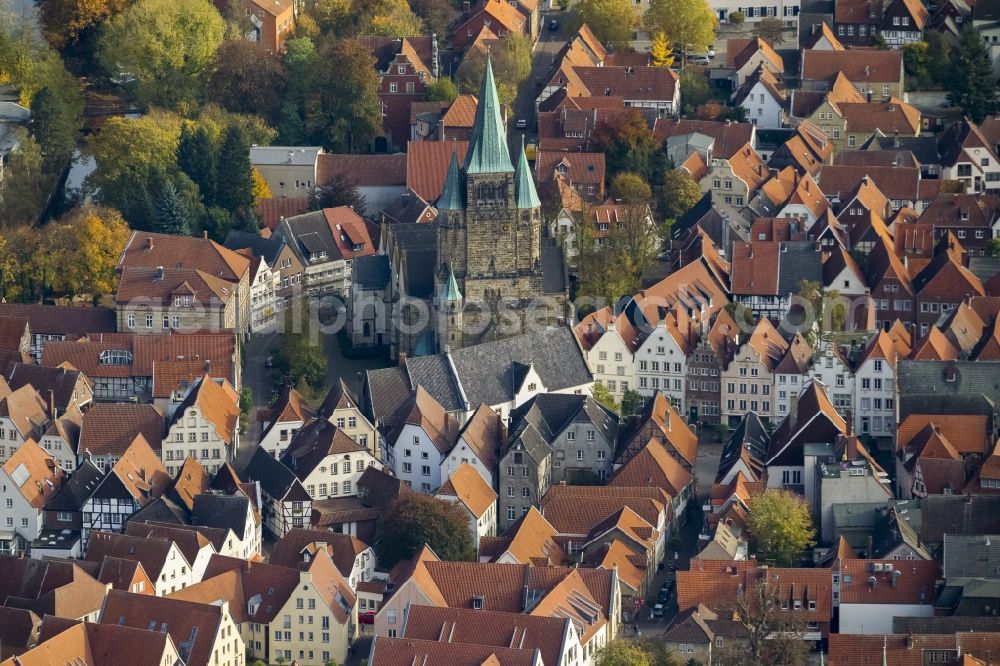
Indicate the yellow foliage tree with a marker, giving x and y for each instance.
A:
(660, 50)
(260, 188)
(78, 253)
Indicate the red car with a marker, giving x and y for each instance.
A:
(367, 618)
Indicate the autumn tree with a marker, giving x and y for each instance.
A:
(97, 237)
(621, 652)
(603, 395)
(258, 186)
(660, 50)
(780, 526)
(771, 634)
(64, 21)
(627, 142)
(770, 29)
(689, 24)
(167, 45)
(438, 15)
(339, 190)
(611, 21)
(676, 195)
(417, 520)
(128, 151)
(511, 63)
(971, 83)
(630, 188)
(442, 90)
(395, 19)
(247, 78)
(613, 268)
(335, 107)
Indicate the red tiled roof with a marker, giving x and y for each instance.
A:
(427, 165)
(858, 65)
(363, 170)
(905, 582)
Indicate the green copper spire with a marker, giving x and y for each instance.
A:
(452, 294)
(527, 197)
(488, 148)
(451, 198)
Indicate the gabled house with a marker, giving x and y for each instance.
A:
(134, 480)
(609, 343)
(60, 588)
(205, 426)
(417, 445)
(28, 480)
(813, 420)
(108, 430)
(196, 548)
(737, 177)
(791, 373)
(286, 416)
(658, 420)
(967, 155)
(655, 467)
(326, 460)
(529, 540)
(666, 338)
(307, 613)
(286, 504)
(478, 446)
(63, 519)
(162, 558)
(24, 415)
(747, 56)
(710, 355)
(404, 68)
(874, 390)
(973, 218)
(500, 16)
(762, 98)
(201, 631)
(943, 283)
(326, 242)
(340, 408)
(469, 490)
(748, 381)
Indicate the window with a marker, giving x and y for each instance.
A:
(579, 455)
(149, 320)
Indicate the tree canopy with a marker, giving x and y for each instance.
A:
(247, 78)
(611, 21)
(621, 652)
(971, 83)
(689, 24)
(167, 45)
(677, 194)
(631, 188)
(63, 21)
(418, 519)
(627, 142)
(511, 68)
(781, 526)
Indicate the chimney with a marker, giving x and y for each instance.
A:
(208, 365)
(204, 234)
(52, 403)
(466, 8)
(159, 273)
(402, 359)
(149, 242)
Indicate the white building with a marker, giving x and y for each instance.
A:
(287, 416)
(661, 359)
(609, 343)
(29, 479)
(205, 426)
(874, 388)
(478, 443)
(326, 461)
(418, 445)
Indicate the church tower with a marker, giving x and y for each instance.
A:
(489, 226)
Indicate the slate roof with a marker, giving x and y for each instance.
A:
(80, 487)
(275, 479)
(372, 272)
(775, 268)
(749, 439)
(488, 151)
(971, 555)
(486, 372)
(222, 511)
(266, 248)
(310, 446)
(342, 548)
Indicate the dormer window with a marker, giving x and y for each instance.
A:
(477, 602)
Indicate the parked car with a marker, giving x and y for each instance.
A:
(699, 59)
(522, 123)
(663, 597)
(269, 363)
(657, 611)
(553, 25)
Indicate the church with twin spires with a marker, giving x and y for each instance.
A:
(485, 269)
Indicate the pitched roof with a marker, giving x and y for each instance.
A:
(887, 117)
(653, 466)
(489, 628)
(427, 165)
(59, 320)
(109, 429)
(311, 445)
(184, 621)
(531, 539)
(363, 170)
(469, 487)
(218, 404)
(739, 52)
(710, 583)
(146, 249)
(36, 474)
(577, 509)
(291, 549)
(968, 433)
(409, 651)
(860, 66)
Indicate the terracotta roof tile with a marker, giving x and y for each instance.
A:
(468, 486)
(654, 467)
(270, 211)
(532, 539)
(42, 476)
(860, 65)
(109, 429)
(968, 433)
(427, 165)
(409, 651)
(58, 320)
